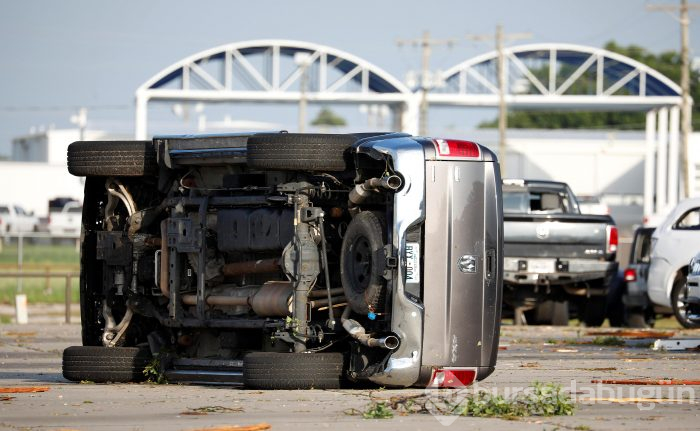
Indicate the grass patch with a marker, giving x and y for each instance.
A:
(39, 258)
(608, 341)
(540, 399)
(41, 254)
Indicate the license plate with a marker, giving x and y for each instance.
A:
(412, 262)
(542, 266)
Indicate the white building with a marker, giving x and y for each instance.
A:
(37, 171)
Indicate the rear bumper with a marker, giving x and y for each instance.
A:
(579, 270)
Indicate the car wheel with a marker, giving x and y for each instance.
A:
(592, 311)
(637, 319)
(293, 151)
(105, 364)
(112, 158)
(362, 263)
(549, 313)
(680, 309)
(273, 370)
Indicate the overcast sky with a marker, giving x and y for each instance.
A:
(58, 55)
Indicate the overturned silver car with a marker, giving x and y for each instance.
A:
(284, 261)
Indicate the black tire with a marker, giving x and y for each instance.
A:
(112, 158)
(362, 263)
(680, 309)
(637, 319)
(105, 364)
(549, 313)
(273, 370)
(302, 152)
(592, 311)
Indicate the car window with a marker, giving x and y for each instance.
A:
(4, 210)
(536, 201)
(19, 211)
(689, 221)
(515, 202)
(75, 209)
(642, 246)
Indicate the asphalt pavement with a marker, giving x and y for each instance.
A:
(30, 357)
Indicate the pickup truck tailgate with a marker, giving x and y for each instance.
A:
(565, 235)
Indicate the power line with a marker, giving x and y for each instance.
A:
(66, 108)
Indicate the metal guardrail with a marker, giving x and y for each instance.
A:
(67, 275)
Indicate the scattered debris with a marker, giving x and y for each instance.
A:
(598, 369)
(663, 382)
(23, 390)
(211, 409)
(530, 365)
(20, 334)
(257, 427)
(677, 344)
(566, 350)
(6, 398)
(633, 333)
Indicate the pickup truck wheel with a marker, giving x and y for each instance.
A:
(680, 309)
(294, 151)
(112, 158)
(593, 310)
(362, 263)
(273, 370)
(105, 364)
(636, 319)
(549, 313)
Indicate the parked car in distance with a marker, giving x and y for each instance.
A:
(288, 261)
(554, 254)
(674, 243)
(592, 205)
(66, 222)
(628, 303)
(14, 219)
(691, 296)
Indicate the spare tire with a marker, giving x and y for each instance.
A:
(105, 364)
(298, 151)
(274, 370)
(362, 263)
(112, 158)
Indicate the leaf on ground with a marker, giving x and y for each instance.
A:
(257, 427)
(213, 409)
(23, 390)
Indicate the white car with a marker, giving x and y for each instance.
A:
(67, 221)
(674, 242)
(14, 219)
(690, 298)
(592, 205)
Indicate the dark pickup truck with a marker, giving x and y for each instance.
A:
(554, 254)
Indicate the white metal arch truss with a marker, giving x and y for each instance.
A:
(559, 77)
(538, 76)
(266, 71)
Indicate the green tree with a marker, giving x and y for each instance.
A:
(668, 63)
(328, 118)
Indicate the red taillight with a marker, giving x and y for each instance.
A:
(630, 274)
(458, 149)
(452, 377)
(611, 239)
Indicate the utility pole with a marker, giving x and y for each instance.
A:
(80, 120)
(426, 44)
(501, 71)
(686, 103)
(302, 59)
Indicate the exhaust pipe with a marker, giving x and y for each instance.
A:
(362, 191)
(357, 331)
